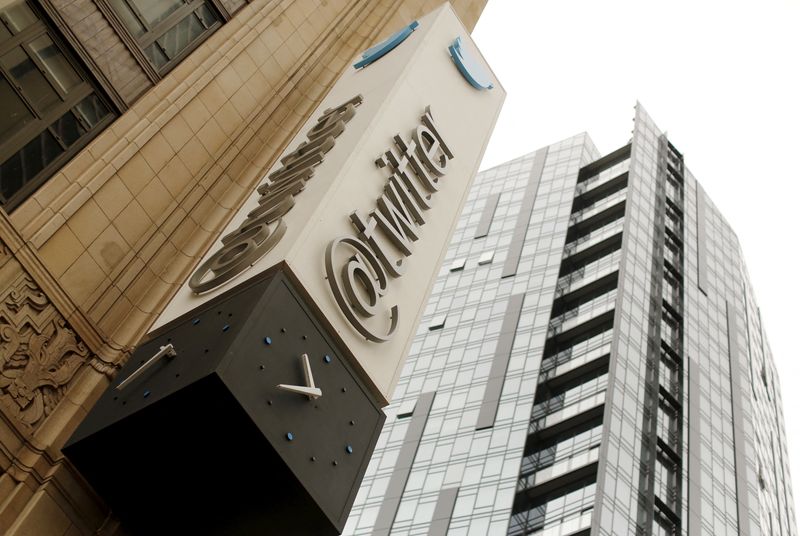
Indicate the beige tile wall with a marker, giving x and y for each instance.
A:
(126, 220)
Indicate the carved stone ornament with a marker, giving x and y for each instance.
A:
(39, 352)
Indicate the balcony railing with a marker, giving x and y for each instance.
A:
(574, 362)
(559, 468)
(567, 526)
(582, 313)
(595, 237)
(584, 276)
(598, 207)
(604, 176)
(567, 412)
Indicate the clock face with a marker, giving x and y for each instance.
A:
(304, 396)
(260, 347)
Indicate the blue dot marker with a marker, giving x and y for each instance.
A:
(195, 321)
(327, 358)
(348, 449)
(289, 436)
(267, 340)
(226, 327)
(146, 393)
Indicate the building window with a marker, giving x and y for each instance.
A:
(48, 108)
(167, 30)
(458, 264)
(437, 322)
(406, 409)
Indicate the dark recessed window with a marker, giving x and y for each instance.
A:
(167, 30)
(48, 108)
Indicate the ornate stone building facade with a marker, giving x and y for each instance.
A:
(158, 127)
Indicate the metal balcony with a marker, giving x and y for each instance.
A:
(576, 365)
(597, 215)
(582, 313)
(589, 192)
(575, 462)
(569, 416)
(592, 239)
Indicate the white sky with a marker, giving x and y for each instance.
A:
(721, 78)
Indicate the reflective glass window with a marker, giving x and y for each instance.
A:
(167, 30)
(48, 108)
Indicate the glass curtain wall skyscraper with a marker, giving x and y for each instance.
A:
(591, 361)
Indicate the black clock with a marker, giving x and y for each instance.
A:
(242, 416)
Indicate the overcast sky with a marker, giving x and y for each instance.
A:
(721, 78)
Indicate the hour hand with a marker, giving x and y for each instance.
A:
(309, 389)
(310, 392)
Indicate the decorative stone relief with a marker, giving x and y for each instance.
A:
(5, 253)
(39, 351)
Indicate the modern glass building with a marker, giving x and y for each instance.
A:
(591, 361)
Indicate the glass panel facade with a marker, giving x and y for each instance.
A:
(634, 401)
(455, 361)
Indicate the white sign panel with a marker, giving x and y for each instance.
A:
(362, 206)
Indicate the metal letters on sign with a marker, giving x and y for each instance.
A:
(416, 167)
(264, 227)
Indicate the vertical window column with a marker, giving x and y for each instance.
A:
(443, 512)
(502, 354)
(740, 461)
(487, 215)
(524, 217)
(402, 467)
(702, 255)
(557, 479)
(662, 430)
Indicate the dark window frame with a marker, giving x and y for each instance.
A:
(45, 120)
(138, 45)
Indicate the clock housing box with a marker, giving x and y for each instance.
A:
(208, 442)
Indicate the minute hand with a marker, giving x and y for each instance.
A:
(307, 371)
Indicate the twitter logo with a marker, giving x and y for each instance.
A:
(385, 46)
(471, 68)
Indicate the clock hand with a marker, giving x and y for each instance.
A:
(310, 392)
(307, 371)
